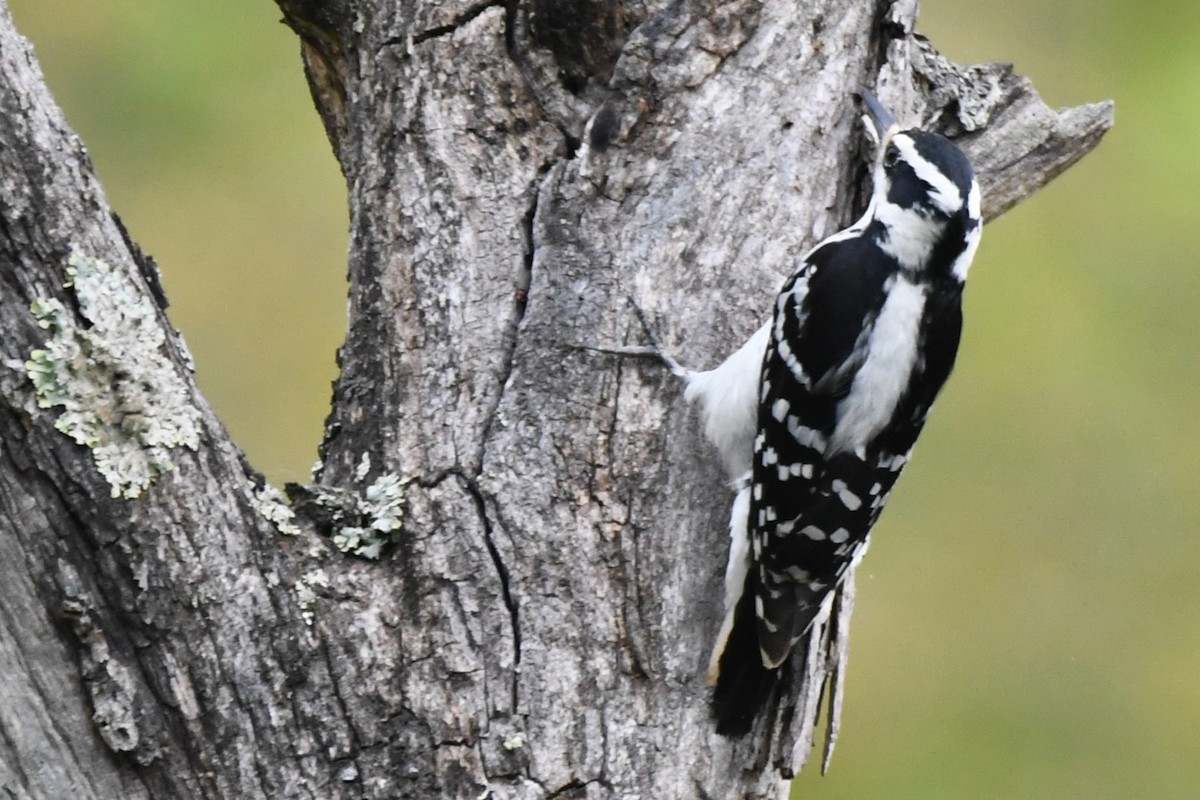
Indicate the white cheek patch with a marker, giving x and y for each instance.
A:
(910, 236)
(963, 262)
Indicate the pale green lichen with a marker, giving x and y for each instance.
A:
(271, 503)
(120, 395)
(381, 512)
(364, 467)
(306, 592)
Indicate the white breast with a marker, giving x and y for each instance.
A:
(884, 375)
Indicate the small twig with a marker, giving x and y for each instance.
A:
(654, 350)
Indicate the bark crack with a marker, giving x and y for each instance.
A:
(355, 741)
(578, 787)
(17, 767)
(511, 335)
(476, 493)
(627, 567)
(445, 30)
(551, 110)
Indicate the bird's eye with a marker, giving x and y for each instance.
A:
(891, 156)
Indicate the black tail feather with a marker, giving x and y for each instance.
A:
(744, 685)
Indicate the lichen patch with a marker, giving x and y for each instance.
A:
(380, 513)
(306, 593)
(120, 395)
(271, 503)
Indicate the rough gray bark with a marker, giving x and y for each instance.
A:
(538, 625)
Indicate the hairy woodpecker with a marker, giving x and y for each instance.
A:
(816, 415)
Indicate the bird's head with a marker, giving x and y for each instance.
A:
(923, 186)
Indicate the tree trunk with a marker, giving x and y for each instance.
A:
(549, 525)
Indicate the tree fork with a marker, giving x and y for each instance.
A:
(538, 625)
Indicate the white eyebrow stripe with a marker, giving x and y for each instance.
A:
(945, 194)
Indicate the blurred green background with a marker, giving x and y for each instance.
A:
(1029, 617)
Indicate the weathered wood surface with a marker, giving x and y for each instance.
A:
(540, 625)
